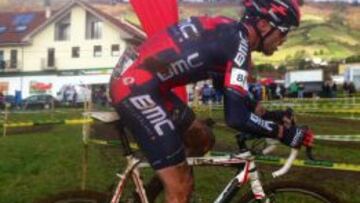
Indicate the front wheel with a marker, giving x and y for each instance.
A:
(285, 192)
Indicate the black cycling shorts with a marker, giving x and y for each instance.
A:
(156, 118)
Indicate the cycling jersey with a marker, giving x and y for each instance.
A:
(196, 49)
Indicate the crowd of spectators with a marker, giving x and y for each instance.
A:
(207, 94)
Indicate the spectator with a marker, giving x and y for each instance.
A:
(280, 91)
(2, 100)
(300, 91)
(18, 99)
(293, 89)
(349, 88)
(206, 92)
(333, 89)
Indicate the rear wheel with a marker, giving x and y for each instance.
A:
(285, 192)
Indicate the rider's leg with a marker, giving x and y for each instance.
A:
(178, 182)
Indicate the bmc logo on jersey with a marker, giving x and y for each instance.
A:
(181, 66)
(152, 112)
(242, 53)
(263, 123)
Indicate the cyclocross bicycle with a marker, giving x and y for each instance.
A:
(243, 161)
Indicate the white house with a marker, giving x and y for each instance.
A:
(42, 51)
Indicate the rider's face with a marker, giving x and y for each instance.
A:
(272, 42)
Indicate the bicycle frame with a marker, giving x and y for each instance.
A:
(243, 160)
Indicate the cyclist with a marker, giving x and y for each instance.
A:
(196, 49)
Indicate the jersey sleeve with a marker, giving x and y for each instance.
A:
(238, 103)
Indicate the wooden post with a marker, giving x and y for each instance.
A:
(86, 135)
(6, 117)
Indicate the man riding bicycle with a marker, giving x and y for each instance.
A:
(201, 48)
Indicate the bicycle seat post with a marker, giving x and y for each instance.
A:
(241, 142)
(123, 139)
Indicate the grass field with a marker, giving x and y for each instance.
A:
(45, 160)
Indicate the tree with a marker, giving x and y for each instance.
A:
(264, 67)
(353, 59)
(282, 68)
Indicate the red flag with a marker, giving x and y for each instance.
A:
(154, 16)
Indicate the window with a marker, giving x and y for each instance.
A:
(51, 57)
(75, 52)
(62, 29)
(21, 21)
(97, 51)
(115, 50)
(13, 59)
(2, 61)
(93, 27)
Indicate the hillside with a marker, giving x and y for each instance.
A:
(327, 31)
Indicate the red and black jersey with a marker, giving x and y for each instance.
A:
(193, 50)
(196, 49)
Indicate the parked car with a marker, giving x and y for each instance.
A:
(41, 101)
(9, 100)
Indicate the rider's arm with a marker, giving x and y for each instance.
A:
(239, 106)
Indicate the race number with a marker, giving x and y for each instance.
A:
(239, 78)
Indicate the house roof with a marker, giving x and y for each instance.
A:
(120, 23)
(10, 33)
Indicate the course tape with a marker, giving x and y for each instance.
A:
(264, 159)
(304, 163)
(343, 138)
(327, 109)
(330, 116)
(299, 108)
(340, 138)
(48, 122)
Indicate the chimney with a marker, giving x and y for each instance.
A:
(47, 8)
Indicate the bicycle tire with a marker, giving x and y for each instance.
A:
(81, 196)
(279, 188)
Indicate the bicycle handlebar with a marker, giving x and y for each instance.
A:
(271, 146)
(286, 167)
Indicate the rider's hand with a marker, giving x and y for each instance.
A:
(294, 136)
